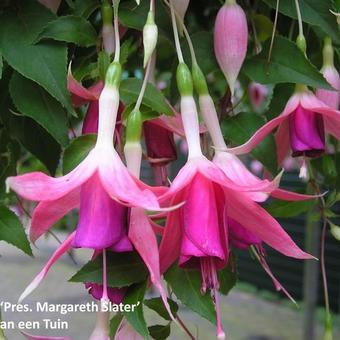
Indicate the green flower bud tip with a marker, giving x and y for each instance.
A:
(113, 74)
(301, 43)
(184, 80)
(134, 126)
(198, 78)
(107, 14)
(328, 52)
(150, 36)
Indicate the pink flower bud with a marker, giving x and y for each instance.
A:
(53, 5)
(257, 94)
(230, 40)
(331, 98)
(180, 7)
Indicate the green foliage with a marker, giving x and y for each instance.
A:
(240, 128)
(44, 63)
(157, 305)
(123, 269)
(289, 209)
(313, 12)
(159, 332)
(71, 29)
(33, 101)
(12, 231)
(135, 295)
(77, 151)
(281, 69)
(186, 285)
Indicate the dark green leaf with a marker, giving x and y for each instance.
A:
(12, 231)
(241, 127)
(288, 209)
(281, 95)
(227, 279)
(135, 295)
(160, 332)
(44, 63)
(114, 324)
(157, 305)
(123, 269)
(103, 64)
(71, 29)
(204, 49)
(1, 65)
(281, 69)
(186, 285)
(34, 102)
(85, 8)
(313, 12)
(129, 91)
(77, 150)
(36, 140)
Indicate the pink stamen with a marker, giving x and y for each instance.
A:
(210, 281)
(105, 295)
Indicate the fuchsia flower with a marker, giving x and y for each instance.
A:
(37, 337)
(197, 233)
(257, 94)
(301, 127)
(231, 40)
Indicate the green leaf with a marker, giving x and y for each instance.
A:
(241, 127)
(313, 12)
(85, 8)
(160, 332)
(204, 49)
(335, 231)
(44, 63)
(103, 64)
(157, 305)
(34, 102)
(281, 69)
(77, 151)
(263, 26)
(186, 285)
(114, 324)
(285, 209)
(135, 295)
(36, 140)
(129, 91)
(123, 269)
(227, 279)
(71, 29)
(146, 112)
(281, 95)
(12, 231)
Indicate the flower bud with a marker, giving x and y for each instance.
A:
(184, 80)
(113, 74)
(150, 35)
(108, 31)
(257, 94)
(198, 78)
(230, 40)
(180, 7)
(53, 5)
(330, 97)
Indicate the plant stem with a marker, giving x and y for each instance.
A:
(116, 28)
(274, 31)
(298, 13)
(180, 321)
(176, 36)
(143, 88)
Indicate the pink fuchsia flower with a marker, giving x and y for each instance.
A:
(330, 98)
(230, 40)
(102, 172)
(197, 232)
(301, 127)
(257, 94)
(232, 166)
